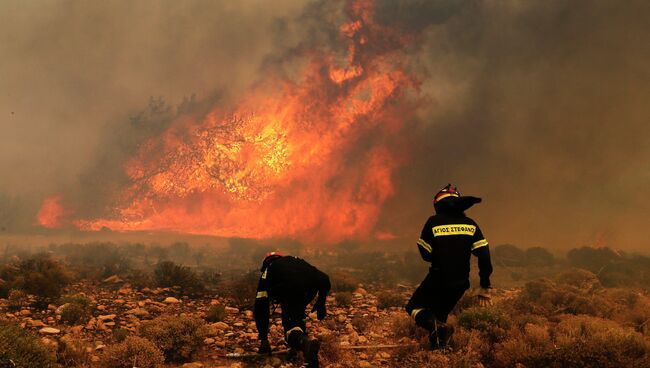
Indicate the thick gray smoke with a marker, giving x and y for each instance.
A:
(538, 107)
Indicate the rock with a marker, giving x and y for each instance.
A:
(364, 364)
(220, 326)
(37, 323)
(232, 310)
(193, 365)
(139, 312)
(113, 279)
(171, 300)
(341, 318)
(25, 312)
(94, 359)
(101, 307)
(49, 331)
(108, 317)
(208, 341)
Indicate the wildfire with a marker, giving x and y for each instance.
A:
(51, 212)
(293, 158)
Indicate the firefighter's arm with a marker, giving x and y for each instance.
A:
(323, 289)
(424, 243)
(261, 310)
(481, 250)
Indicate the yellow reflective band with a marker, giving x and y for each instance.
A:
(264, 274)
(453, 229)
(262, 294)
(415, 312)
(447, 195)
(480, 243)
(293, 329)
(424, 245)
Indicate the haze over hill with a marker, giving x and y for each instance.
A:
(540, 108)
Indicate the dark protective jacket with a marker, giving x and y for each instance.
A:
(448, 240)
(288, 281)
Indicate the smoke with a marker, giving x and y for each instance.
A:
(538, 107)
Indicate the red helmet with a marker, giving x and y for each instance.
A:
(445, 192)
(270, 257)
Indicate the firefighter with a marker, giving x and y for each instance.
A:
(447, 241)
(292, 283)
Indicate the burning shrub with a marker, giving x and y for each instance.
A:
(17, 299)
(178, 337)
(132, 352)
(388, 299)
(19, 348)
(343, 299)
(216, 313)
(168, 274)
(579, 278)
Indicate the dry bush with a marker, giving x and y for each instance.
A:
(77, 309)
(489, 321)
(178, 337)
(120, 334)
(577, 341)
(40, 276)
(402, 325)
(342, 282)
(22, 348)
(360, 323)
(73, 352)
(331, 353)
(387, 299)
(216, 313)
(168, 274)
(579, 278)
(132, 352)
(546, 298)
(343, 298)
(242, 289)
(17, 299)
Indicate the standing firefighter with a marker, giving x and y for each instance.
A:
(447, 241)
(293, 283)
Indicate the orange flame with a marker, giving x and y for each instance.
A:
(291, 160)
(51, 212)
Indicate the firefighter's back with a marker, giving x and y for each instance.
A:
(293, 278)
(453, 237)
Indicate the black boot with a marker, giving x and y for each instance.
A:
(310, 348)
(440, 335)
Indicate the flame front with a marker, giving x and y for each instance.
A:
(301, 158)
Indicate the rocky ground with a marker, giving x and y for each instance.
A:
(118, 308)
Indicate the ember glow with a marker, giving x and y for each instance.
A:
(292, 158)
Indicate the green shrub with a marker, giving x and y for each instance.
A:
(216, 313)
(178, 337)
(17, 299)
(22, 348)
(482, 319)
(168, 274)
(77, 309)
(387, 299)
(343, 298)
(132, 352)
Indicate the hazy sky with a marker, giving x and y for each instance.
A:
(539, 107)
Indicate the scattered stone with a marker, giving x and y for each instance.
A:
(193, 365)
(171, 300)
(49, 331)
(113, 280)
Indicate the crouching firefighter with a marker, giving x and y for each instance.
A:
(292, 283)
(448, 240)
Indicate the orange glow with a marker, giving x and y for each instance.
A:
(291, 159)
(50, 213)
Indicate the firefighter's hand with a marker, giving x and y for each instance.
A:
(265, 348)
(484, 297)
(321, 311)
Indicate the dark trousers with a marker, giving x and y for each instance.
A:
(294, 322)
(432, 299)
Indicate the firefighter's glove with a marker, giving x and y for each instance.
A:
(484, 297)
(265, 348)
(321, 311)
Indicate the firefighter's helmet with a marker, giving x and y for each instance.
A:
(270, 257)
(446, 192)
